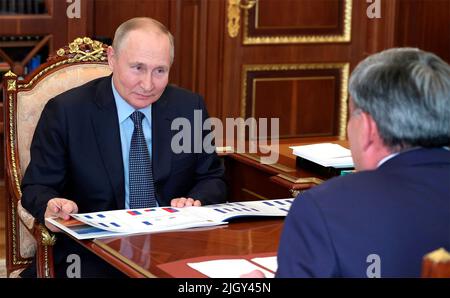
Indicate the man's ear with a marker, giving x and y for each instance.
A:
(111, 56)
(369, 136)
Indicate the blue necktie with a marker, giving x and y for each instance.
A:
(142, 191)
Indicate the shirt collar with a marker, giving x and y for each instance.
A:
(394, 155)
(124, 109)
(387, 158)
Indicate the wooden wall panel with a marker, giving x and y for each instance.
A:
(311, 17)
(109, 14)
(424, 24)
(83, 26)
(298, 102)
(187, 33)
(300, 116)
(208, 61)
(294, 21)
(211, 79)
(308, 99)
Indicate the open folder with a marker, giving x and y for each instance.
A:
(159, 219)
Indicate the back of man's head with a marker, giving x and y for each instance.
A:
(407, 93)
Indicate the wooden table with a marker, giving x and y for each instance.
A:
(145, 255)
(248, 179)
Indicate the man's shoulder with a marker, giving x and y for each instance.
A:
(80, 93)
(342, 188)
(181, 96)
(180, 100)
(174, 91)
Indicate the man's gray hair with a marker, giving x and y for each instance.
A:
(141, 23)
(407, 93)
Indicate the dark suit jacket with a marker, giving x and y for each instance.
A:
(400, 212)
(76, 152)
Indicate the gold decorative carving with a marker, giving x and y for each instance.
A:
(10, 74)
(43, 72)
(15, 249)
(344, 37)
(11, 85)
(12, 142)
(14, 219)
(47, 239)
(248, 5)
(84, 49)
(61, 52)
(440, 255)
(307, 180)
(344, 99)
(234, 14)
(344, 71)
(98, 48)
(294, 192)
(46, 263)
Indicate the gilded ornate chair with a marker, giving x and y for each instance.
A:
(436, 264)
(79, 62)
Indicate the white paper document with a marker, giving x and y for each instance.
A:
(268, 262)
(325, 154)
(227, 268)
(147, 220)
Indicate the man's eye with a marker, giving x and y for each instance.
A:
(137, 67)
(160, 70)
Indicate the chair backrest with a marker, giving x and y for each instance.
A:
(436, 264)
(79, 62)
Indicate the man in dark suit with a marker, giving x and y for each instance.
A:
(381, 221)
(81, 154)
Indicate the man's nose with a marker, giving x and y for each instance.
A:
(147, 82)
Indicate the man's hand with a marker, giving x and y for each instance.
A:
(185, 202)
(60, 208)
(253, 274)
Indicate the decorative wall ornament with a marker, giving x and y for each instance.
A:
(234, 14)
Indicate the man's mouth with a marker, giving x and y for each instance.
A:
(144, 95)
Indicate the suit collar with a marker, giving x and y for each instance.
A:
(163, 112)
(104, 97)
(106, 127)
(419, 156)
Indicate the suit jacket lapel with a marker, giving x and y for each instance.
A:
(106, 127)
(162, 115)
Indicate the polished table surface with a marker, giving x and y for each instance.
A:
(142, 255)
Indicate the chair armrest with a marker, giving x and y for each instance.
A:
(44, 252)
